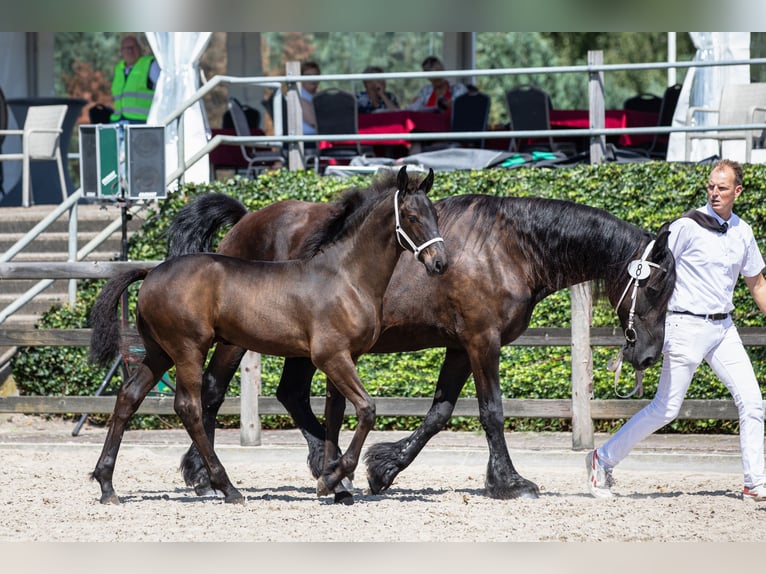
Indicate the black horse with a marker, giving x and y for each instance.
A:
(507, 254)
(326, 308)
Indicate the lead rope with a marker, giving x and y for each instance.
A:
(637, 269)
(401, 234)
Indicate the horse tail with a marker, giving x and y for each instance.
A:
(195, 225)
(104, 323)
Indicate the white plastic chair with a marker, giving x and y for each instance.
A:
(741, 104)
(39, 142)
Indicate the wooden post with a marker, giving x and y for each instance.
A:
(596, 106)
(582, 367)
(294, 118)
(250, 377)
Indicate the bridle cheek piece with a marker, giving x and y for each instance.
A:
(638, 269)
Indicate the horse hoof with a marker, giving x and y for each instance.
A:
(205, 491)
(322, 488)
(110, 499)
(239, 499)
(344, 497)
(518, 489)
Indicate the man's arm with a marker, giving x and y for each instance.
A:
(757, 286)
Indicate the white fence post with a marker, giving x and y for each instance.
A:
(597, 107)
(582, 367)
(250, 421)
(295, 154)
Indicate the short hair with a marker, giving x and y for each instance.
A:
(309, 65)
(134, 40)
(431, 62)
(735, 166)
(373, 70)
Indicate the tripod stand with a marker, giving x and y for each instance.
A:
(118, 361)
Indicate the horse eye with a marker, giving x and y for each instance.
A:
(413, 218)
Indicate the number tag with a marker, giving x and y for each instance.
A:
(639, 269)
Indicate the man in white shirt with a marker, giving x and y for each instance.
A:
(710, 255)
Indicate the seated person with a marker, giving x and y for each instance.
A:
(375, 97)
(307, 91)
(439, 92)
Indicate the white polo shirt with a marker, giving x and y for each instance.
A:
(708, 263)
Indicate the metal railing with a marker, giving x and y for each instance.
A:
(597, 133)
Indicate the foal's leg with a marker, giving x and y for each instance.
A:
(129, 398)
(218, 374)
(188, 406)
(341, 370)
(335, 407)
(386, 460)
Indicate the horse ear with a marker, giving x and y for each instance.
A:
(660, 242)
(428, 182)
(401, 180)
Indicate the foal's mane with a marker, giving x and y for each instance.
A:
(561, 241)
(354, 205)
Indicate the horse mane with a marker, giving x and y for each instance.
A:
(562, 241)
(354, 205)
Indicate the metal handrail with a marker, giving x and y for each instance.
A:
(276, 82)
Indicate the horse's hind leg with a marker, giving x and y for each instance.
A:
(188, 406)
(129, 398)
(386, 460)
(218, 374)
(294, 392)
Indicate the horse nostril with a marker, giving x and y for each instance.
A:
(440, 266)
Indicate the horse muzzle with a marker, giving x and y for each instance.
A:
(434, 258)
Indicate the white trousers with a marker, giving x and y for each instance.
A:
(689, 340)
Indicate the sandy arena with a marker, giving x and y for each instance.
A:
(665, 493)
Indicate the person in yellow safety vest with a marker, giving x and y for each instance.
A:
(135, 78)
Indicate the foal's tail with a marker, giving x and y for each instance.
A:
(195, 225)
(105, 325)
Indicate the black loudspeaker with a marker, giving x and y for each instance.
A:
(145, 153)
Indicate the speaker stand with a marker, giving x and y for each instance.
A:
(118, 362)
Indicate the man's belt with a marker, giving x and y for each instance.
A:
(711, 316)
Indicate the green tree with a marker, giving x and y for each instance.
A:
(79, 52)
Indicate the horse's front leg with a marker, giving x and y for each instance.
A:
(218, 374)
(341, 370)
(502, 481)
(386, 460)
(129, 398)
(335, 406)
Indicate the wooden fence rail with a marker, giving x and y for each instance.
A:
(385, 406)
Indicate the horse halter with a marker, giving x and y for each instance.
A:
(638, 269)
(401, 234)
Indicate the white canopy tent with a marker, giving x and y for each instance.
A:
(178, 55)
(702, 87)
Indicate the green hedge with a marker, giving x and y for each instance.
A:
(646, 194)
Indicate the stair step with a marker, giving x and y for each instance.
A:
(53, 245)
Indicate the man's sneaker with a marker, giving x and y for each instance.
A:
(755, 493)
(600, 479)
